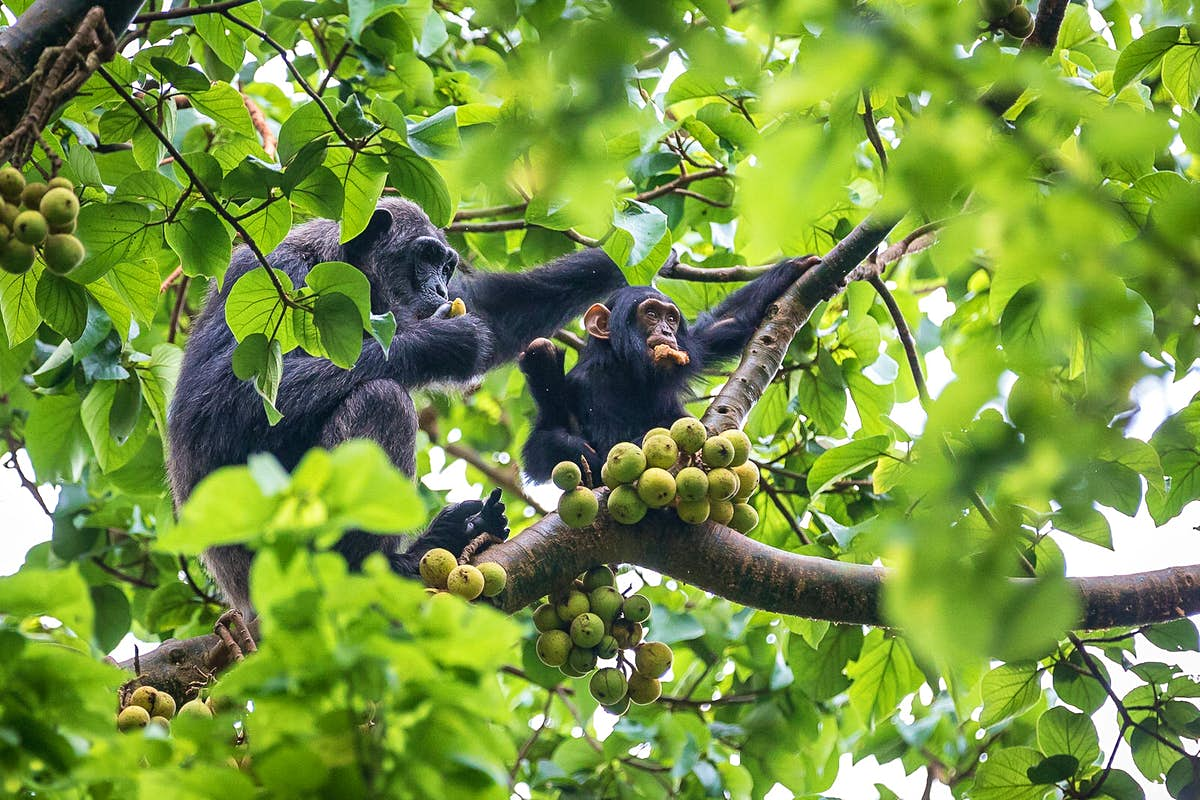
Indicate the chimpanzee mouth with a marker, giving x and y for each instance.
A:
(657, 340)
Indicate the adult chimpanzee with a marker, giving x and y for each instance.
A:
(634, 370)
(216, 419)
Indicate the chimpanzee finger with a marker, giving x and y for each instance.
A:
(443, 311)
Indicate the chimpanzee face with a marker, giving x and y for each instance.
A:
(431, 264)
(658, 322)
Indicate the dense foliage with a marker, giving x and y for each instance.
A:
(1061, 187)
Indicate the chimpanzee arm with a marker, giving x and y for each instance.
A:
(725, 330)
(551, 439)
(521, 306)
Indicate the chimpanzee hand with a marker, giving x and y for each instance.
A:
(490, 519)
(542, 362)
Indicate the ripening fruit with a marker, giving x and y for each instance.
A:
(162, 723)
(747, 475)
(545, 618)
(741, 445)
(606, 603)
(744, 518)
(652, 433)
(196, 708)
(627, 633)
(132, 717)
(691, 484)
(607, 648)
(61, 183)
(430, 591)
(722, 484)
(158, 703)
(30, 227)
(718, 452)
(587, 630)
(59, 206)
(8, 214)
(581, 660)
(689, 434)
(62, 253)
(67, 228)
(643, 689)
(494, 578)
(598, 576)
(636, 608)
(578, 507)
(458, 307)
(571, 606)
(553, 647)
(16, 257)
(626, 462)
(661, 452)
(1019, 22)
(606, 477)
(618, 708)
(32, 194)
(466, 581)
(693, 512)
(656, 487)
(12, 183)
(653, 659)
(608, 685)
(720, 511)
(572, 672)
(566, 475)
(625, 506)
(435, 567)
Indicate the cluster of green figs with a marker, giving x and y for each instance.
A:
(1008, 15)
(38, 218)
(150, 706)
(701, 477)
(591, 622)
(442, 574)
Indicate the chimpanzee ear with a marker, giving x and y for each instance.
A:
(595, 321)
(376, 232)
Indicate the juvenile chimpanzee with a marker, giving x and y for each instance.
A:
(635, 368)
(216, 419)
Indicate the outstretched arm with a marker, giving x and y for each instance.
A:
(725, 330)
(522, 306)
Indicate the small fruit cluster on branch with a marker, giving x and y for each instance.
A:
(592, 622)
(1008, 15)
(38, 218)
(702, 477)
(150, 706)
(442, 574)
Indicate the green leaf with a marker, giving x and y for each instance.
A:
(254, 306)
(250, 356)
(383, 329)
(1053, 769)
(184, 78)
(1088, 525)
(1004, 776)
(125, 410)
(202, 243)
(1142, 54)
(847, 459)
(224, 105)
(883, 674)
(416, 179)
(112, 616)
(641, 241)
(1181, 74)
(1176, 636)
(112, 233)
(1061, 731)
(1009, 690)
(225, 507)
(363, 177)
(331, 277)
(367, 491)
(306, 124)
(60, 593)
(1078, 688)
(96, 413)
(259, 359)
(137, 283)
(436, 136)
(62, 303)
(18, 304)
(338, 319)
(268, 226)
(352, 121)
(158, 382)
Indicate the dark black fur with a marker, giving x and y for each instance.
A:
(616, 393)
(217, 420)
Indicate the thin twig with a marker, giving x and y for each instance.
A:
(187, 577)
(121, 576)
(180, 13)
(773, 496)
(872, 131)
(177, 309)
(529, 743)
(906, 338)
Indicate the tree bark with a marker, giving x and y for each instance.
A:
(47, 23)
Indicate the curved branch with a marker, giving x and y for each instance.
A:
(764, 355)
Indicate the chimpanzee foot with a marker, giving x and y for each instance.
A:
(234, 635)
